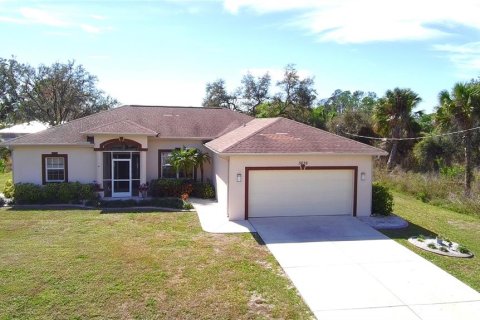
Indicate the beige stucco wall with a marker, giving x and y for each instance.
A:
(220, 181)
(86, 165)
(237, 164)
(27, 163)
(155, 144)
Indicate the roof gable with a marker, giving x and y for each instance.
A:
(166, 122)
(121, 127)
(280, 135)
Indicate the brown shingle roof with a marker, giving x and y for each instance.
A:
(167, 122)
(121, 127)
(280, 135)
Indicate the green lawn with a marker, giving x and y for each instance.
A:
(431, 220)
(3, 178)
(83, 264)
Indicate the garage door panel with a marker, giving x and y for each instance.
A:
(297, 193)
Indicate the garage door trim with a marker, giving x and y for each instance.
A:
(355, 176)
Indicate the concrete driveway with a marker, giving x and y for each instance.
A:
(345, 269)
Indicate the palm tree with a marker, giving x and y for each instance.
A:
(183, 159)
(200, 159)
(392, 117)
(461, 108)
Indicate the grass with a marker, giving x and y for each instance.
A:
(430, 220)
(439, 190)
(3, 178)
(83, 264)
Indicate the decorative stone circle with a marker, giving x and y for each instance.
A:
(441, 246)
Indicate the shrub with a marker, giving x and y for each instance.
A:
(429, 150)
(2, 202)
(432, 246)
(50, 192)
(463, 249)
(3, 166)
(204, 190)
(187, 205)
(67, 192)
(422, 196)
(382, 200)
(170, 188)
(452, 172)
(53, 193)
(9, 189)
(28, 193)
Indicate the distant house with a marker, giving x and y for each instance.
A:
(260, 167)
(22, 129)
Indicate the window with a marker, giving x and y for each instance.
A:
(55, 168)
(165, 169)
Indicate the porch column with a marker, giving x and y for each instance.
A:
(143, 167)
(99, 155)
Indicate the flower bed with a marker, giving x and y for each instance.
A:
(441, 246)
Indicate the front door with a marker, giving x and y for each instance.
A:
(122, 182)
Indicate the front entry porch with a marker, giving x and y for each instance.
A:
(121, 168)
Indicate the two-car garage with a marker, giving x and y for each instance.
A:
(290, 191)
(278, 167)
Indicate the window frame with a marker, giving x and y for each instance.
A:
(177, 174)
(45, 169)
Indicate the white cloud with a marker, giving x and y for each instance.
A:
(98, 17)
(90, 29)
(353, 21)
(38, 16)
(55, 18)
(465, 56)
(12, 20)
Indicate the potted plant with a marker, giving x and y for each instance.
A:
(143, 189)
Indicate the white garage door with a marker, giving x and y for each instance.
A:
(300, 192)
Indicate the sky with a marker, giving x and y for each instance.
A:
(165, 52)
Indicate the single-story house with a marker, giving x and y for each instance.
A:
(22, 129)
(259, 167)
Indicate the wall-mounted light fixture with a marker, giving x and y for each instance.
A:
(362, 176)
(239, 177)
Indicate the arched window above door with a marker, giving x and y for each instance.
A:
(120, 144)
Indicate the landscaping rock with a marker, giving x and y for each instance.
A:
(439, 246)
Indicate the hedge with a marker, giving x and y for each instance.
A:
(53, 193)
(204, 190)
(179, 187)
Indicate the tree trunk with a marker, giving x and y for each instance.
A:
(201, 172)
(393, 155)
(393, 152)
(468, 163)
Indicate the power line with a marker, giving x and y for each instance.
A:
(414, 138)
